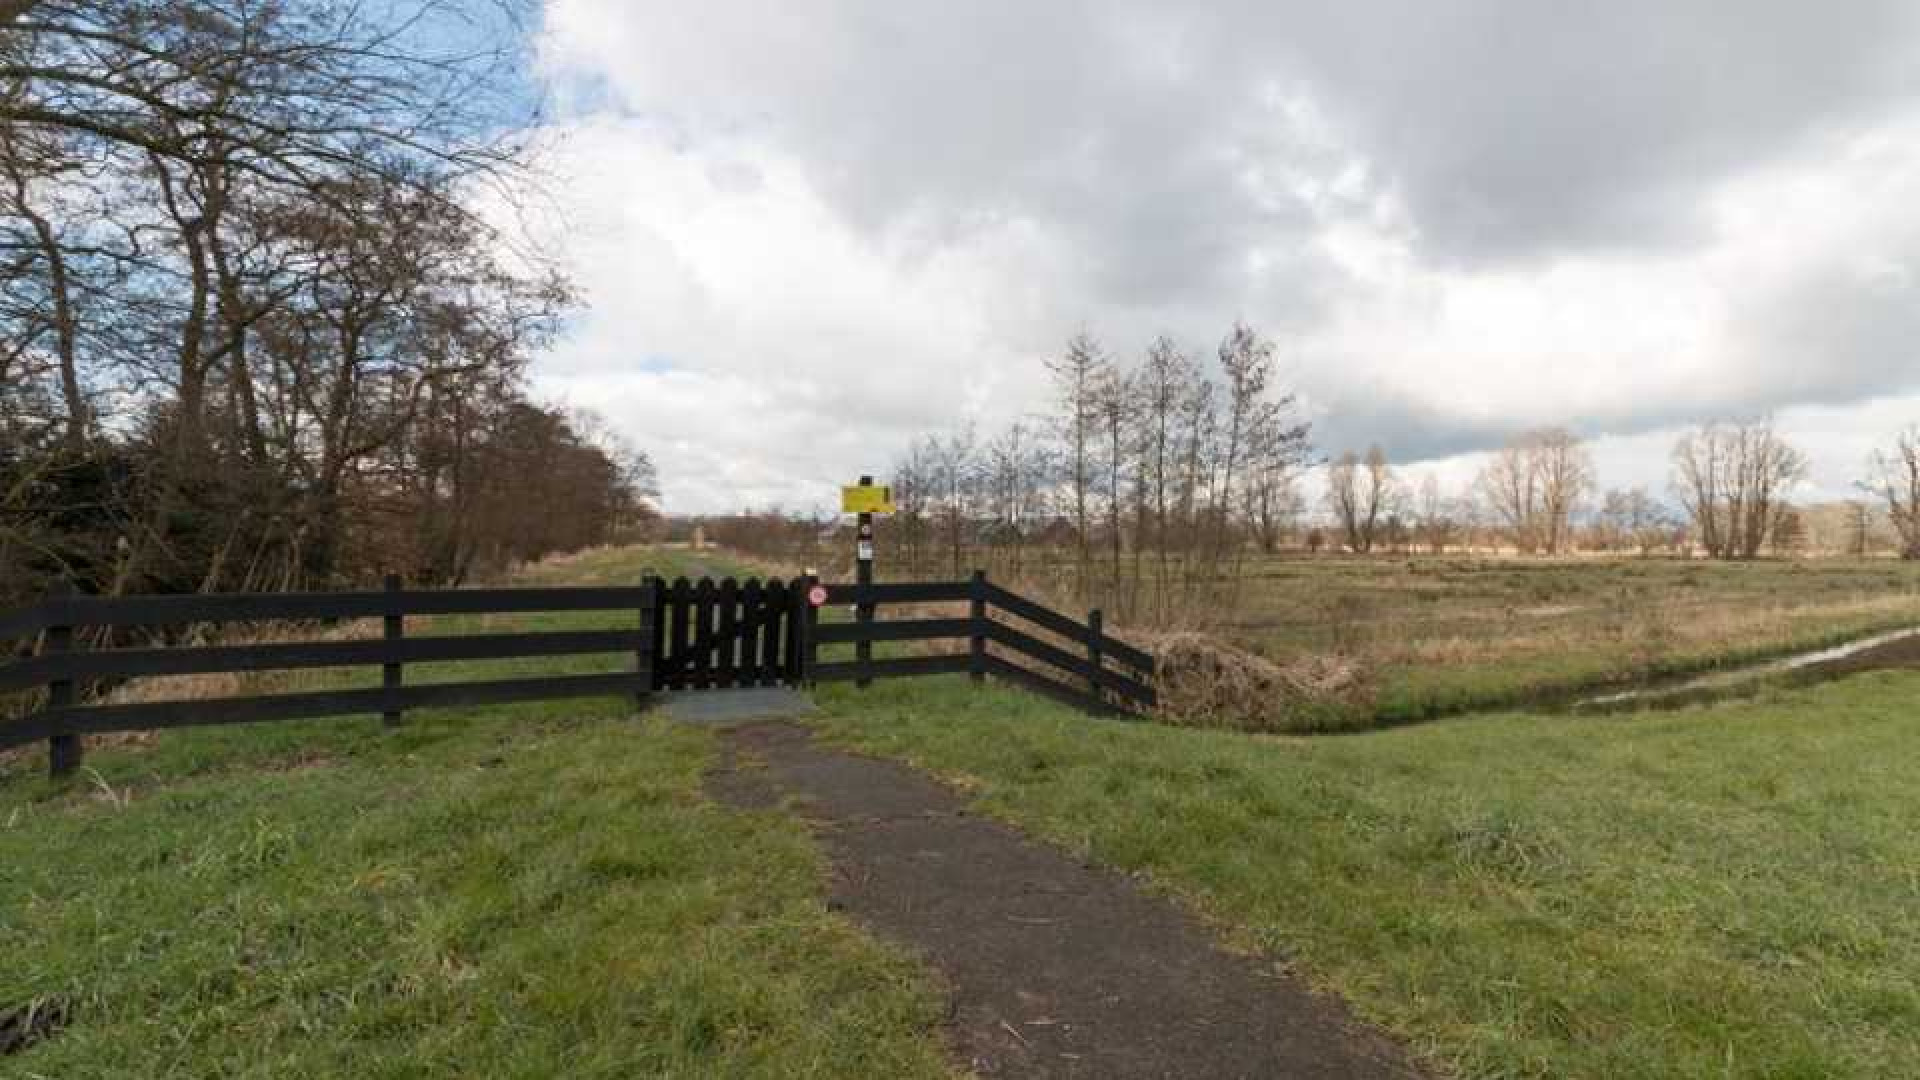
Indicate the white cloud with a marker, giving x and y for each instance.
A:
(807, 234)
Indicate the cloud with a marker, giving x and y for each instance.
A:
(811, 232)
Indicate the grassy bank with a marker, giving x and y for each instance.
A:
(1719, 892)
(526, 891)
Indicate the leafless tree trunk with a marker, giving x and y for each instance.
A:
(1079, 375)
(1733, 478)
(1896, 480)
(1360, 492)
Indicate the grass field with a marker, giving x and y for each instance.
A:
(525, 891)
(1731, 891)
(1442, 634)
(544, 890)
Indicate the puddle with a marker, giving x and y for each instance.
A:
(1830, 662)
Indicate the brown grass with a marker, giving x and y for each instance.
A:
(1205, 682)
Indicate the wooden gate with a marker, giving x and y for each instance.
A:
(728, 633)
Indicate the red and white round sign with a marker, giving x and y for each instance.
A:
(817, 596)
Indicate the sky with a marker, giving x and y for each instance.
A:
(807, 233)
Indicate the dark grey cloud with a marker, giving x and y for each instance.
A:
(1509, 127)
(1518, 128)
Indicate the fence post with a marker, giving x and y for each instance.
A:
(64, 752)
(1095, 652)
(395, 630)
(977, 646)
(863, 577)
(644, 653)
(805, 618)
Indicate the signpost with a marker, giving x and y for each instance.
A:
(866, 497)
(864, 500)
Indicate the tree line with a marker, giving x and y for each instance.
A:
(1147, 475)
(1149, 483)
(257, 332)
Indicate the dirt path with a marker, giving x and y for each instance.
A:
(1057, 969)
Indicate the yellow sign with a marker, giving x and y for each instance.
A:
(866, 499)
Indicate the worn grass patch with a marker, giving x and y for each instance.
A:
(1729, 891)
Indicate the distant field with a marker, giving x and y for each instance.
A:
(1443, 633)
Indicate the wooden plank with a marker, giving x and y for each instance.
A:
(64, 748)
(893, 630)
(702, 643)
(1096, 623)
(12, 735)
(257, 607)
(657, 649)
(27, 674)
(393, 630)
(287, 656)
(1053, 656)
(748, 630)
(700, 665)
(801, 629)
(777, 614)
(23, 623)
(645, 621)
(977, 624)
(94, 719)
(892, 668)
(1001, 668)
(1066, 627)
(726, 634)
(899, 592)
(680, 653)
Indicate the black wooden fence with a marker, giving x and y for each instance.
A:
(1092, 670)
(713, 634)
(682, 635)
(63, 670)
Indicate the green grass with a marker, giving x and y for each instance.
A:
(525, 891)
(1730, 891)
(544, 890)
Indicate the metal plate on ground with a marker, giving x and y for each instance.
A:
(730, 706)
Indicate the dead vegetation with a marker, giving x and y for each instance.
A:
(1206, 682)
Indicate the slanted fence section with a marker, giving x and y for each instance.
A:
(63, 670)
(1006, 635)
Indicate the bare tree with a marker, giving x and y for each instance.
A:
(1079, 376)
(1437, 516)
(1633, 519)
(1733, 478)
(1361, 493)
(1534, 484)
(1164, 378)
(1114, 403)
(1895, 479)
(250, 299)
(1246, 361)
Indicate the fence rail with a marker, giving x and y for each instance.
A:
(684, 635)
(63, 669)
(1106, 675)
